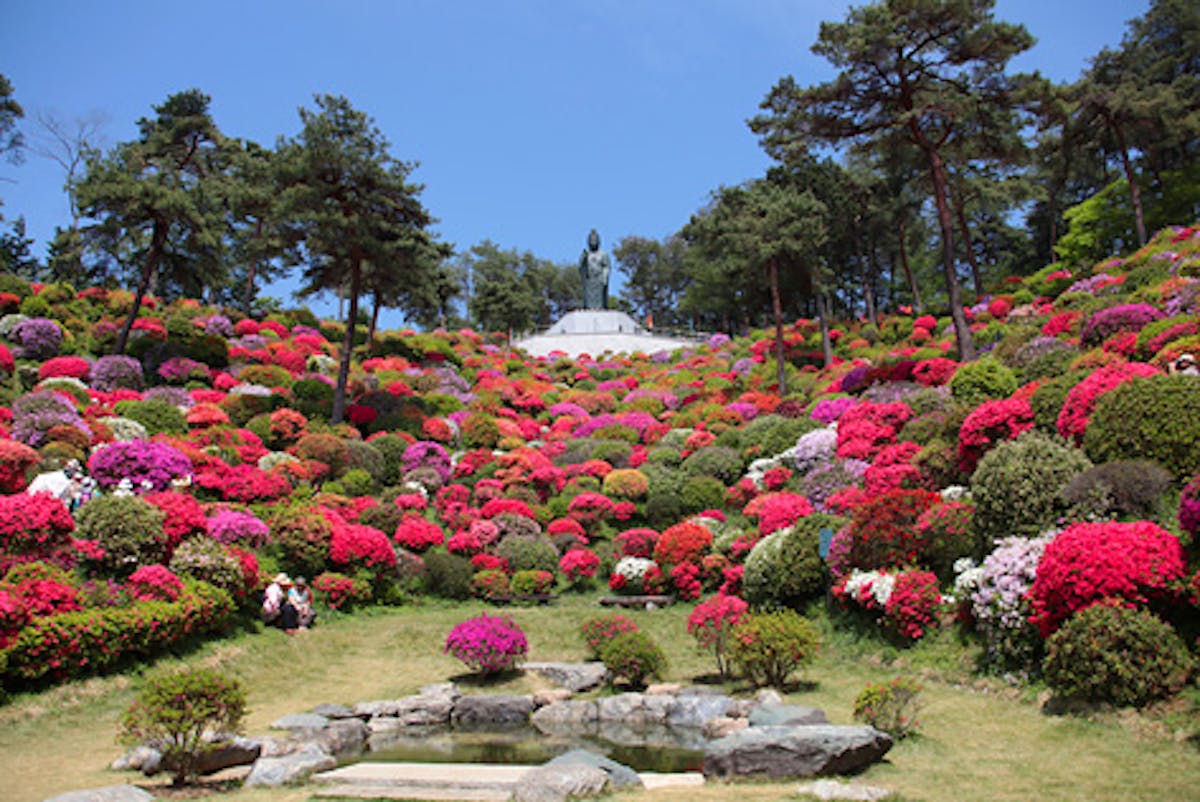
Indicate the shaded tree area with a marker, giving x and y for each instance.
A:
(512, 291)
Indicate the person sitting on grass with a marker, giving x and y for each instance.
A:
(301, 599)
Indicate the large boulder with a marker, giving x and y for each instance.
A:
(619, 775)
(291, 768)
(557, 783)
(781, 752)
(300, 721)
(491, 710)
(575, 677)
(335, 711)
(695, 709)
(109, 793)
(567, 716)
(773, 715)
(339, 738)
(832, 789)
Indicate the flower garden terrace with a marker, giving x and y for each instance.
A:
(919, 489)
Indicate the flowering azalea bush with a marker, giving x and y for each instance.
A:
(487, 644)
(904, 603)
(418, 534)
(1136, 564)
(146, 465)
(883, 530)
(154, 583)
(235, 526)
(357, 546)
(712, 621)
(579, 565)
(636, 576)
(341, 592)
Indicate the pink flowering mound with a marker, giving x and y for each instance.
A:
(415, 533)
(33, 525)
(579, 564)
(1081, 401)
(16, 460)
(865, 429)
(1189, 508)
(1135, 563)
(911, 610)
(636, 542)
(488, 644)
(778, 510)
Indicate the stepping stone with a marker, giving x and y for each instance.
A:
(421, 792)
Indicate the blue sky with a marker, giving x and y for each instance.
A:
(532, 122)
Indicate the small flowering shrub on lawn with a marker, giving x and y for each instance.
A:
(176, 710)
(579, 565)
(1000, 605)
(532, 582)
(487, 644)
(684, 542)
(904, 604)
(341, 592)
(600, 629)
(891, 707)
(1109, 653)
(711, 623)
(633, 657)
(767, 647)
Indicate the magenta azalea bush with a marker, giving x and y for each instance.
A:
(487, 644)
(148, 466)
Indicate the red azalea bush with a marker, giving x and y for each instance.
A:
(911, 610)
(883, 529)
(44, 593)
(1082, 399)
(711, 623)
(893, 468)
(866, 428)
(589, 509)
(415, 533)
(154, 583)
(16, 460)
(579, 564)
(341, 592)
(934, 372)
(599, 630)
(73, 367)
(684, 542)
(245, 483)
(35, 525)
(357, 546)
(988, 424)
(686, 579)
(1136, 563)
(13, 617)
(183, 517)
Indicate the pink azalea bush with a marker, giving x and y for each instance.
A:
(487, 644)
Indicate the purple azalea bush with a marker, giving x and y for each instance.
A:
(147, 465)
(487, 644)
(36, 338)
(36, 413)
(116, 372)
(236, 527)
(1107, 322)
(827, 410)
(428, 454)
(999, 604)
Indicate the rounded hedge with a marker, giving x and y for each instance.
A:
(1155, 418)
(633, 656)
(785, 568)
(1017, 485)
(983, 379)
(128, 528)
(1117, 655)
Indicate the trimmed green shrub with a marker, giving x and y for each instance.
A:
(176, 710)
(448, 575)
(701, 493)
(1155, 418)
(724, 464)
(128, 528)
(300, 540)
(327, 448)
(205, 559)
(1018, 484)
(1048, 399)
(984, 379)
(528, 553)
(313, 398)
(767, 647)
(785, 568)
(633, 657)
(1126, 489)
(158, 417)
(391, 448)
(1117, 655)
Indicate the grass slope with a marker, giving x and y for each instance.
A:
(978, 742)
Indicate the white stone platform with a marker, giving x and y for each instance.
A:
(596, 331)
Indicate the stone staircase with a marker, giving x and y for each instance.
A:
(460, 782)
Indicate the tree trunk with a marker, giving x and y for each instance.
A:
(902, 235)
(823, 319)
(158, 241)
(777, 310)
(1135, 192)
(248, 293)
(374, 324)
(1051, 205)
(969, 247)
(870, 276)
(343, 378)
(962, 333)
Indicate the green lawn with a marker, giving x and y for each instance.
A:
(979, 741)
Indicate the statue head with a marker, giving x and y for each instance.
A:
(593, 240)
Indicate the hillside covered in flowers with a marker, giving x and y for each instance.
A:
(1044, 496)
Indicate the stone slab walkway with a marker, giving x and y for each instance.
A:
(467, 782)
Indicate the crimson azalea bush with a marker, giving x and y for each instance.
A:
(31, 526)
(579, 565)
(354, 546)
(488, 644)
(778, 510)
(636, 542)
(1082, 399)
(16, 461)
(883, 530)
(1134, 563)
(988, 424)
(341, 592)
(418, 534)
(866, 428)
(684, 542)
(154, 583)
